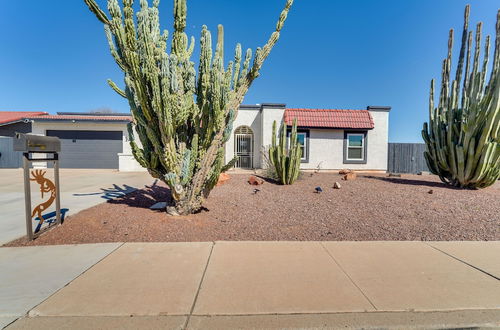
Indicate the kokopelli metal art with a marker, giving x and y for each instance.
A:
(46, 186)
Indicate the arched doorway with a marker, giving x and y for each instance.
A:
(243, 147)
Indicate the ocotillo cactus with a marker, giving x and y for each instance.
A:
(286, 161)
(463, 133)
(182, 119)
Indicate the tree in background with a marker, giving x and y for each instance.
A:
(182, 118)
(463, 133)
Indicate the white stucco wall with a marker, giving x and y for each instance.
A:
(250, 118)
(260, 119)
(269, 115)
(126, 159)
(378, 141)
(326, 147)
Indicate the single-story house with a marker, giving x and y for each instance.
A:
(330, 138)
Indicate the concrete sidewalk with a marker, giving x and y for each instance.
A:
(274, 285)
(29, 275)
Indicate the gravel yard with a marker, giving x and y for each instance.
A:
(372, 207)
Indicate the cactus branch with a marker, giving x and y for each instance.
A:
(182, 118)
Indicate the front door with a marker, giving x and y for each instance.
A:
(244, 148)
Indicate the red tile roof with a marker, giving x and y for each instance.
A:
(15, 116)
(330, 118)
(82, 117)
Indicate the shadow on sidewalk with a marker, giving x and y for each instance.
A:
(111, 193)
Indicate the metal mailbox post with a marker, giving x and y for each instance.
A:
(31, 144)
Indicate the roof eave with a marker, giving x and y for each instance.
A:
(331, 127)
(12, 122)
(82, 120)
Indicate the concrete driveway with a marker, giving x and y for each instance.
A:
(80, 189)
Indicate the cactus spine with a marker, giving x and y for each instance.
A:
(463, 133)
(182, 118)
(286, 161)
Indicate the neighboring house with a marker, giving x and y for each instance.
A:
(88, 140)
(15, 121)
(331, 139)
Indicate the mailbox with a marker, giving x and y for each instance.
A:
(36, 143)
(31, 144)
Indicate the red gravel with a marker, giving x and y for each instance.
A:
(373, 207)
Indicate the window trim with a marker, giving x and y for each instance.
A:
(364, 147)
(305, 158)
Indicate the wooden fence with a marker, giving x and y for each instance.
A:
(406, 158)
(8, 157)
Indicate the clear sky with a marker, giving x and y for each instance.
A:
(332, 54)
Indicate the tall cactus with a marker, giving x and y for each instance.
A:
(463, 133)
(182, 118)
(286, 161)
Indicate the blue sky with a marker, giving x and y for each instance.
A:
(332, 54)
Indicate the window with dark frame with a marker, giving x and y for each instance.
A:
(303, 139)
(355, 145)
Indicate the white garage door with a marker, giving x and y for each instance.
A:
(89, 149)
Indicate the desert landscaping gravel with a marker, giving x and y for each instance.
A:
(372, 207)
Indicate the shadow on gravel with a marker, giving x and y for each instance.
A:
(268, 180)
(144, 198)
(411, 182)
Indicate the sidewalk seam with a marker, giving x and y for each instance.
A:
(349, 277)
(188, 318)
(86, 270)
(462, 261)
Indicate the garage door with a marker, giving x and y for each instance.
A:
(89, 149)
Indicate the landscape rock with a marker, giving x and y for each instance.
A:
(431, 191)
(350, 176)
(172, 211)
(345, 171)
(159, 206)
(223, 178)
(255, 181)
(337, 185)
(394, 175)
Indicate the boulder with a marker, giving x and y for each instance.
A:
(337, 185)
(223, 178)
(345, 171)
(255, 181)
(350, 176)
